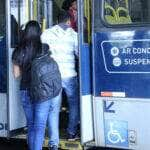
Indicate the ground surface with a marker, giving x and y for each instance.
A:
(13, 144)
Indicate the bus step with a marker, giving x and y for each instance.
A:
(70, 145)
(67, 145)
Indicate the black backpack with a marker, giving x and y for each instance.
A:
(45, 79)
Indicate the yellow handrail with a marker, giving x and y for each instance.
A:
(35, 9)
(87, 14)
(27, 9)
(43, 24)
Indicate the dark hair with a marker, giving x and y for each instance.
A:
(30, 45)
(66, 4)
(63, 16)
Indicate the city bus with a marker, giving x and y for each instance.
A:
(114, 76)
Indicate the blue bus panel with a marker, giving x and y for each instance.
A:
(85, 69)
(122, 63)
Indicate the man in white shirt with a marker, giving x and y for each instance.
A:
(63, 43)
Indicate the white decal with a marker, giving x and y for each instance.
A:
(117, 61)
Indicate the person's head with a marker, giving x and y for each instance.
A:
(67, 4)
(64, 17)
(30, 44)
(73, 4)
(32, 30)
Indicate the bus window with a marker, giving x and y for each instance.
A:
(127, 12)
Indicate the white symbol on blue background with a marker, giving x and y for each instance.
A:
(117, 61)
(114, 51)
(116, 133)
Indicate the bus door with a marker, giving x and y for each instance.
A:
(84, 17)
(121, 73)
(18, 13)
(3, 70)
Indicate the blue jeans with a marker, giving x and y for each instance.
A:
(53, 120)
(71, 88)
(36, 116)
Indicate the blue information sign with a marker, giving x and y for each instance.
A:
(126, 56)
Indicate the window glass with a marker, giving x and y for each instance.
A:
(41, 11)
(14, 22)
(127, 11)
(19, 15)
(3, 66)
(2, 19)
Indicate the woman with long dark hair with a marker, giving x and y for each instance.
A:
(36, 107)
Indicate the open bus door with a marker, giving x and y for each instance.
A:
(14, 14)
(84, 28)
(17, 14)
(3, 71)
(121, 73)
(14, 115)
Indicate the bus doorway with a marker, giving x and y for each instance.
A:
(84, 75)
(17, 14)
(64, 114)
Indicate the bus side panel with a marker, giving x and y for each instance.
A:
(126, 70)
(121, 62)
(85, 97)
(85, 68)
(123, 124)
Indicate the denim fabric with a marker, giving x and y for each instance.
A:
(36, 115)
(28, 109)
(70, 86)
(53, 120)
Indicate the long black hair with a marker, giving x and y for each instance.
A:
(30, 45)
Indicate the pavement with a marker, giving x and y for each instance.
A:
(7, 144)
(13, 144)
(21, 145)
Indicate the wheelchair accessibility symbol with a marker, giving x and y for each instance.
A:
(116, 133)
(114, 136)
